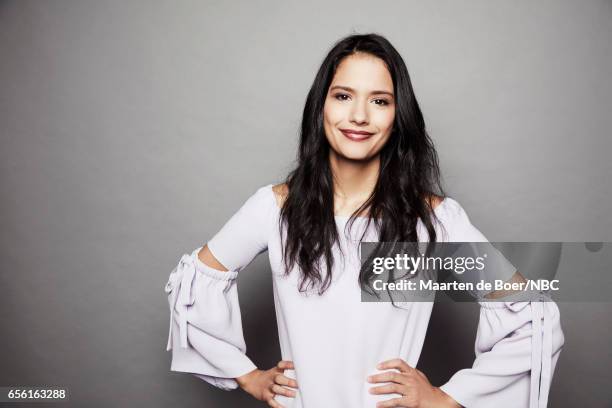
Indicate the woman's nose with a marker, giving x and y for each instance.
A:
(359, 114)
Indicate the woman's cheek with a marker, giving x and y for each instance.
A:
(385, 119)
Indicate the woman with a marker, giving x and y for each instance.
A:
(367, 171)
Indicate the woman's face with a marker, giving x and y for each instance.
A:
(359, 108)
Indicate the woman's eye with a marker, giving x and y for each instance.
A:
(341, 97)
(345, 97)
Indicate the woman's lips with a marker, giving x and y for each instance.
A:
(357, 137)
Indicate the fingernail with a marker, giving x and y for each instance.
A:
(379, 366)
(370, 379)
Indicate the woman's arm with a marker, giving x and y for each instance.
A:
(206, 336)
(207, 258)
(205, 333)
(518, 344)
(518, 341)
(261, 384)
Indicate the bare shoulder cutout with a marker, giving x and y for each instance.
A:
(280, 193)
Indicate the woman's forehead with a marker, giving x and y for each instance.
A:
(363, 72)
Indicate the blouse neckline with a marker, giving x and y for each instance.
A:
(436, 210)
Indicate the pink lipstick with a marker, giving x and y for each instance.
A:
(356, 135)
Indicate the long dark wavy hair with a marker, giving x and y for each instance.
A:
(408, 177)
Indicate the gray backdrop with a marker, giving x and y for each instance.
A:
(132, 130)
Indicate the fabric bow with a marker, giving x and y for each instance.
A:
(541, 348)
(541, 353)
(181, 297)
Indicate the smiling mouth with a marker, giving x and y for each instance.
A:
(357, 136)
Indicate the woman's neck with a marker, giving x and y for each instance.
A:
(354, 181)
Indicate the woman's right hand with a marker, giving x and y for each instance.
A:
(265, 384)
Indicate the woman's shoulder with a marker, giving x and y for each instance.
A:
(455, 222)
(447, 208)
(434, 200)
(259, 202)
(280, 193)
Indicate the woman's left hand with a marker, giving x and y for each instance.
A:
(412, 384)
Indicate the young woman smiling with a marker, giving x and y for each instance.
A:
(367, 171)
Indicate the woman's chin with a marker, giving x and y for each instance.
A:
(354, 155)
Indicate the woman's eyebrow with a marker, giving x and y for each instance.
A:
(349, 89)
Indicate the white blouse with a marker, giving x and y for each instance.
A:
(334, 339)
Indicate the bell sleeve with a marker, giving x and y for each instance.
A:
(518, 343)
(517, 348)
(205, 334)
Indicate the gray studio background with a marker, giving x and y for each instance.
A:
(132, 130)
